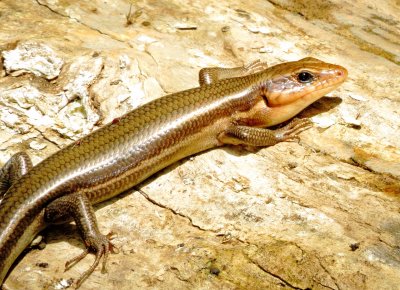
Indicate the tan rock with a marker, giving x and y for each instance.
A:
(321, 214)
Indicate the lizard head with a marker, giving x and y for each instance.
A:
(292, 86)
(308, 79)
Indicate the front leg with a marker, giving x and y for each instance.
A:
(78, 207)
(211, 75)
(18, 165)
(260, 137)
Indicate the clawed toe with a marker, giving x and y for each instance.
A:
(102, 246)
(255, 66)
(291, 131)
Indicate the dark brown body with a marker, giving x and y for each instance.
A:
(140, 143)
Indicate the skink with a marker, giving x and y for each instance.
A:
(231, 106)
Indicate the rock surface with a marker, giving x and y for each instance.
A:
(321, 214)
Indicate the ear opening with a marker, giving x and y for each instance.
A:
(265, 99)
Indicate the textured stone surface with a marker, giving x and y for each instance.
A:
(321, 214)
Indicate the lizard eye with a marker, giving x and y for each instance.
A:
(305, 77)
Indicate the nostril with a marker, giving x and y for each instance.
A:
(341, 72)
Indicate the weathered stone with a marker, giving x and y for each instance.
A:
(288, 216)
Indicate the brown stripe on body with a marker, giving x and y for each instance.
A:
(81, 166)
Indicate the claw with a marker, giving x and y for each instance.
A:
(102, 246)
(255, 67)
(291, 131)
(293, 139)
(87, 273)
(69, 264)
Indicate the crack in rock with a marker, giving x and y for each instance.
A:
(330, 276)
(42, 134)
(277, 277)
(80, 22)
(145, 195)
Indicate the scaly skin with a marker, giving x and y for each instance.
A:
(145, 140)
